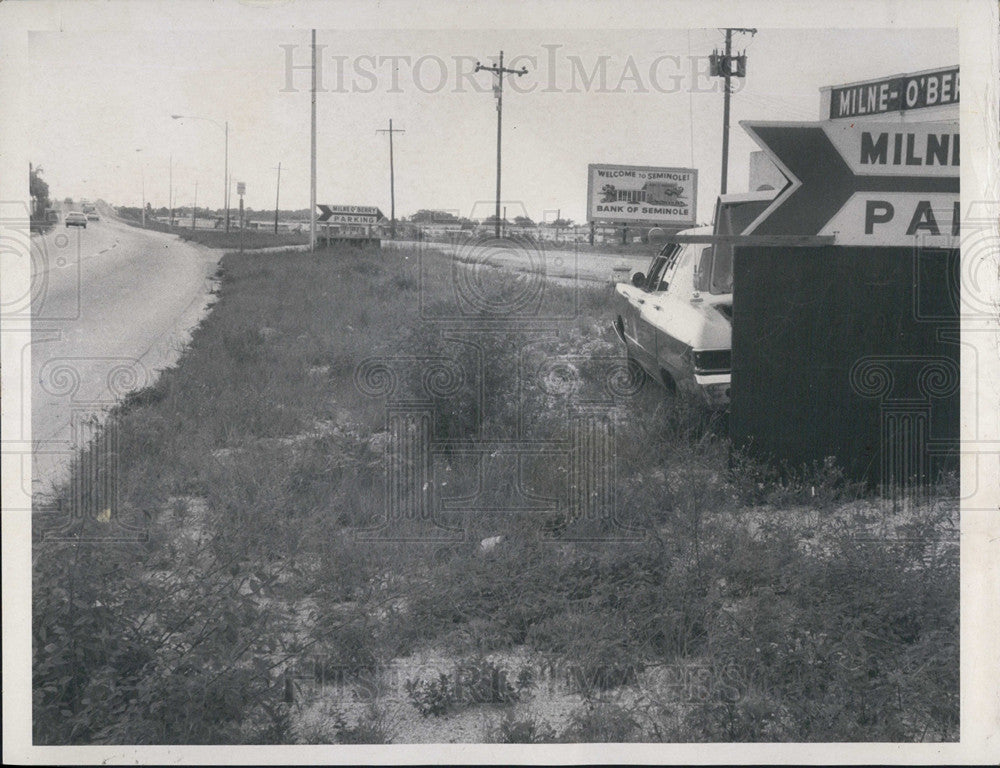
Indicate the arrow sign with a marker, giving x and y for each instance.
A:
(350, 214)
(881, 184)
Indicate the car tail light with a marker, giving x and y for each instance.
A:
(712, 361)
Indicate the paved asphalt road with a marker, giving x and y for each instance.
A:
(560, 264)
(113, 305)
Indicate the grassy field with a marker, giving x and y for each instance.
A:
(284, 592)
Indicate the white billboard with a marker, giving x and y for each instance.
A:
(642, 195)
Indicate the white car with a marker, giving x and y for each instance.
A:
(676, 319)
(76, 219)
(679, 334)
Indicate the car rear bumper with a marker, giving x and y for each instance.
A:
(714, 388)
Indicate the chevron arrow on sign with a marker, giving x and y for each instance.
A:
(879, 184)
(350, 214)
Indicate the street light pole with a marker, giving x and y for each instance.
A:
(225, 128)
(499, 71)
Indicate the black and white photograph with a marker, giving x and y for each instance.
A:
(524, 383)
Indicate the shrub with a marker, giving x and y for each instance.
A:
(528, 730)
(479, 681)
(372, 728)
(594, 723)
(433, 697)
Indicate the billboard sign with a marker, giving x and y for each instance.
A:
(876, 184)
(634, 194)
(901, 93)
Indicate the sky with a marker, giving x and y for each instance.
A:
(639, 97)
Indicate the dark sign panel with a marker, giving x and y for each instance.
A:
(850, 353)
(895, 94)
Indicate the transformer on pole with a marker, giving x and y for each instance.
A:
(727, 66)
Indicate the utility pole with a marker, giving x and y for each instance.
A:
(499, 71)
(392, 177)
(312, 154)
(194, 210)
(226, 173)
(240, 190)
(171, 195)
(727, 67)
(142, 170)
(277, 196)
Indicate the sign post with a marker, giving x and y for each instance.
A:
(867, 184)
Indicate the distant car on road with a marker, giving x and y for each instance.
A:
(76, 219)
(92, 216)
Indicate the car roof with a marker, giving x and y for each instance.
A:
(703, 230)
(747, 197)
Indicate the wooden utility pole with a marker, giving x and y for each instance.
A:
(727, 67)
(392, 177)
(499, 71)
(277, 197)
(312, 154)
(142, 170)
(225, 172)
(240, 188)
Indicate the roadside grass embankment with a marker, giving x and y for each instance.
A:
(278, 596)
(216, 238)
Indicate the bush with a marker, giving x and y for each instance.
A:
(478, 681)
(596, 723)
(527, 730)
(432, 697)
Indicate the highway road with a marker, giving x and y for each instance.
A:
(112, 306)
(560, 264)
